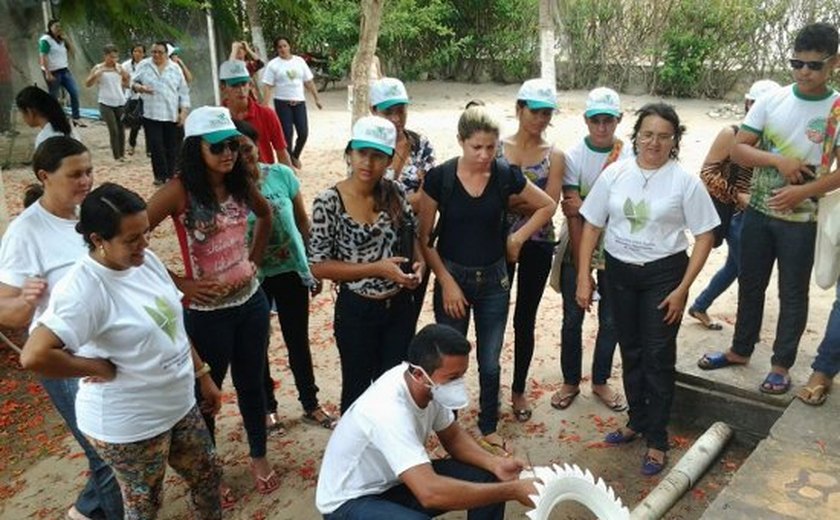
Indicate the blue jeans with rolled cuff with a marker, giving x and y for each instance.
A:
(828, 353)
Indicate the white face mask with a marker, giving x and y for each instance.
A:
(452, 395)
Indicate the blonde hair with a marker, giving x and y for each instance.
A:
(476, 119)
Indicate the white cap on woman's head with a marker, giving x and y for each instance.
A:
(213, 124)
(603, 100)
(374, 132)
(761, 87)
(387, 92)
(538, 93)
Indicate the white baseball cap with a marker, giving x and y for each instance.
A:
(387, 92)
(213, 124)
(234, 72)
(761, 87)
(603, 100)
(374, 132)
(172, 49)
(538, 93)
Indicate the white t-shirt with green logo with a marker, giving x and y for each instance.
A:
(133, 318)
(793, 125)
(648, 211)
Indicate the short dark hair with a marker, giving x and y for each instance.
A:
(820, 37)
(666, 112)
(434, 341)
(51, 152)
(103, 209)
(138, 44)
(109, 48)
(277, 40)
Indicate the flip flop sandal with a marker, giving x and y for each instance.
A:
(226, 496)
(264, 485)
(705, 320)
(715, 360)
(274, 425)
(616, 404)
(651, 466)
(326, 421)
(775, 384)
(617, 437)
(561, 401)
(522, 414)
(498, 449)
(806, 394)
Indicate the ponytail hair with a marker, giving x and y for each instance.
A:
(38, 100)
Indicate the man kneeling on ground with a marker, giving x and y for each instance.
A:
(376, 465)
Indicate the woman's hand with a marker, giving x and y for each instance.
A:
(34, 288)
(454, 302)
(571, 206)
(211, 397)
(389, 268)
(202, 292)
(674, 304)
(514, 246)
(585, 287)
(102, 371)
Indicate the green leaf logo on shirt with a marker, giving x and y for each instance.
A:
(636, 214)
(164, 316)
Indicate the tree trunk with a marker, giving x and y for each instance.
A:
(360, 70)
(256, 29)
(547, 66)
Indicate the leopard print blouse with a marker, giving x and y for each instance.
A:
(335, 235)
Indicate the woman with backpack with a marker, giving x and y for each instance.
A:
(473, 193)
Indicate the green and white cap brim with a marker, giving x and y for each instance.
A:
(374, 132)
(213, 124)
(391, 102)
(360, 144)
(234, 72)
(538, 94)
(221, 135)
(387, 92)
(603, 101)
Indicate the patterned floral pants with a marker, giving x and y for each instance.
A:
(140, 468)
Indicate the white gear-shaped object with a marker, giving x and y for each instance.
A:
(570, 483)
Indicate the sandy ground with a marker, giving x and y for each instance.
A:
(48, 486)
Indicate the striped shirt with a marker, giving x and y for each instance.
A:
(171, 91)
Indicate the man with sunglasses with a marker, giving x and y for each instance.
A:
(782, 140)
(166, 101)
(237, 97)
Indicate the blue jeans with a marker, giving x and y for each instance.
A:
(398, 503)
(765, 240)
(236, 337)
(293, 117)
(648, 344)
(571, 347)
(372, 336)
(487, 291)
(101, 496)
(729, 272)
(64, 78)
(828, 353)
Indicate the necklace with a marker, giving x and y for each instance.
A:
(648, 177)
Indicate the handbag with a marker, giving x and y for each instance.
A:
(133, 113)
(554, 276)
(827, 250)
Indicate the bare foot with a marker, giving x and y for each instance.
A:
(265, 479)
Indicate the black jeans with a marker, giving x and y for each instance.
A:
(534, 265)
(648, 344)
(398, 503)
(236, 337)
(571, 348)
(164, 140)
(293, 117)
(116, 132)
(291, 298)
(372, 336)
(765, 240)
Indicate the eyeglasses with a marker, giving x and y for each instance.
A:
(649, 137)
(220, 147)
(818, 65)
(158, 52)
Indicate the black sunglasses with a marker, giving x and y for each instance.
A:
(812, 65)
(220, 147)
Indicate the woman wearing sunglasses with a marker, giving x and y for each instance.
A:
(226, 315)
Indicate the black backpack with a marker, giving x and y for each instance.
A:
(500, 174)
